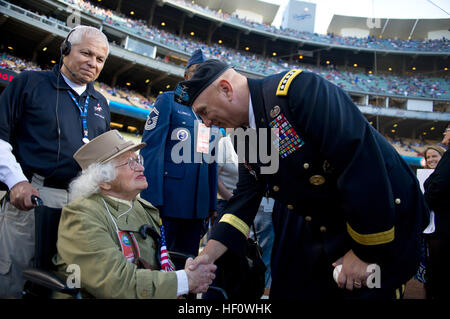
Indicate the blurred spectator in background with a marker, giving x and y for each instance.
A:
(432, 157)
(227, 161)
(44, 118)
(264, 233)
(437, 194)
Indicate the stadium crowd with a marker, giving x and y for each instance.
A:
(419, 86)
(346, 80)
(124, 95)
(415, 86)
(369, 42)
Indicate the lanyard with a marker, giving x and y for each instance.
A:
(83, 114)
(195, 115)
(125, 242)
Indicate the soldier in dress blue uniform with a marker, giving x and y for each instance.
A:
(345, 196)
(185, 192)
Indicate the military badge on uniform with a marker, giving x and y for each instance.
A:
(275, 111)
(182, 135)
(125, 242)
(317, 180)
(288, 140)
(152, 119)
(181, 94)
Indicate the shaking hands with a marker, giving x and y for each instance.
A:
(200, 273)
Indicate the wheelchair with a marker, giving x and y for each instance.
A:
(42, 280)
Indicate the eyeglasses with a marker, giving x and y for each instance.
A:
(133, 162)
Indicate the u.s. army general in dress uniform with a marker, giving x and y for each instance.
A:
(346, 196)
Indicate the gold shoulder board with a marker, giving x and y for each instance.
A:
(285, 82)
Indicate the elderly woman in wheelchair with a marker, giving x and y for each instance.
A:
(111, 236)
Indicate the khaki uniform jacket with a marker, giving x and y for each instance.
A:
(88, 238)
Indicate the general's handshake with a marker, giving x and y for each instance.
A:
(200, 276)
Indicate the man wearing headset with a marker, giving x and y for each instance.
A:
(45, 116)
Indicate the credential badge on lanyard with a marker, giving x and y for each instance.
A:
(125, 239)
(203, 134)
(83, 114)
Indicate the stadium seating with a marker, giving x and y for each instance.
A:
(120, 95)
(418, 86)
(369, 42)
(405, 147)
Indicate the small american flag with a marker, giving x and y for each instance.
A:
(165, 261)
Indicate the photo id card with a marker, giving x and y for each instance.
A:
(203, 134)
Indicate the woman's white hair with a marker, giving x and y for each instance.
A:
(87, 183)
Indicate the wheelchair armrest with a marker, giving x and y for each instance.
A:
(49, 280)
(179, 258)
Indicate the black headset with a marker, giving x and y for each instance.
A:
(66, 46)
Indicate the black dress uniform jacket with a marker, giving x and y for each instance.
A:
(342, 185)
(34, 106)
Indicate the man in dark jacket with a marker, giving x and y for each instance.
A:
(349, 199)
(437, 194)
(45, 117)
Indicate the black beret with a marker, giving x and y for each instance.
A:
(206, 73)
(196, 58)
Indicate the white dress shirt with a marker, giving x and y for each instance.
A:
(251, 115)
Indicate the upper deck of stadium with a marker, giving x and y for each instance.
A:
(155, 62)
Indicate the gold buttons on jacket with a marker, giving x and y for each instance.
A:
(306, 166)
(317, 180)
(308, 218)
(323, 229)
(290, 207)
(398, 201)
(276, 188)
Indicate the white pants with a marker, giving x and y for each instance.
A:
(17, 238)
